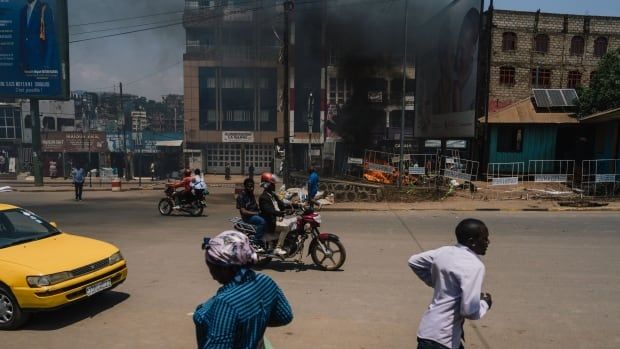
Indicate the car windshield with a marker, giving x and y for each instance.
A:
(19, 226)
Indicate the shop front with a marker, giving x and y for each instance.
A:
(61, 151)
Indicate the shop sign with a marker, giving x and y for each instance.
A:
(75, 142)
(237, 137)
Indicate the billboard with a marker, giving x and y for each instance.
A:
(446, 69)
(34, 49)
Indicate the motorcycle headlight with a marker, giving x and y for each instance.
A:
(317, 218)
(48, 280)
(115, 258)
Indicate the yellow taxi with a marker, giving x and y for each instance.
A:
(43, 268)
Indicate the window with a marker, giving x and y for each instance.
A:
(600, 46)
(541, 43)
(576, 46)
(339, 91)
(509, 41)
(541, 78)
(574, 79)
(507, 76)
(509, 139)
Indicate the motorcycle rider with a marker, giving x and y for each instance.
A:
(199, 185)
(250, 213)
(184, 196)
(271, 207)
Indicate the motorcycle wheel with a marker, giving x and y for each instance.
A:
(196, 211)
(165, 207)
(332, 260)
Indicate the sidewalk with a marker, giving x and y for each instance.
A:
(456, 203)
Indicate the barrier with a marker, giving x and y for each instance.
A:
(504, 178)
(459, 169)
(600, 177)
(116, 184)
(551, 177)
(383, 167)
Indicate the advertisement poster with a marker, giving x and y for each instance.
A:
(446, 69)
(34, 49)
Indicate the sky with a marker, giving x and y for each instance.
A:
(149, 63)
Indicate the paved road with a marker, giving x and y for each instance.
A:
(553, 277)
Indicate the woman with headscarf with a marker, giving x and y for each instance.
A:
(248, 302)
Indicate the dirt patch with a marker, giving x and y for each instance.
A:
(582, 203)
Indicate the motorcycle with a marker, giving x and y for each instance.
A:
(326, 250)
(172, 202)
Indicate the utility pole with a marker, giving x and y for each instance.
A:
(310, 107)
(37, 166)
(125, 155)
(402, 117)
(289, 5)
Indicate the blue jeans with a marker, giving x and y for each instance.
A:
(259, 222)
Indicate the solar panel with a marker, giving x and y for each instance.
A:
(570, 96)
(541, 98)
(556, 98)
(546, 98)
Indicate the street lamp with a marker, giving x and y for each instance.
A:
(310, 123)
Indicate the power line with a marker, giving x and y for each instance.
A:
(126, 18)
(199, 18)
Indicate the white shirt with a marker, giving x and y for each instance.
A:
(198, 183)
(456, 274)
(29, 11)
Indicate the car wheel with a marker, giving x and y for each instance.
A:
(11, 315)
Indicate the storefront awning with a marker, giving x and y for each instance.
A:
(174, 143)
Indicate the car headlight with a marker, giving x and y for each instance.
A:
(115, 258)
(48, 280)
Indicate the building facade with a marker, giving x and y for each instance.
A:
(233, 78)
(544, 50)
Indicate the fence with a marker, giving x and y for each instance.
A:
(383, 167)
(551, 177)
(505, 178)
(600, 177)
(459, 169)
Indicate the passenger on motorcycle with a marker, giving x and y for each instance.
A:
(271, 207)
(248, 209)
(184, 196)
(198, 185)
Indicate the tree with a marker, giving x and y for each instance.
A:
(604, 90)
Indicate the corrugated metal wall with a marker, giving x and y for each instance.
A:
(539, 143)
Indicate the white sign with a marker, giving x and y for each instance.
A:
(505, 181)
(605, 178)
(237, 137)
(355, 161)
(380, 168)
(395, 159)
(417, 170)
(456, 175)
(550, 178)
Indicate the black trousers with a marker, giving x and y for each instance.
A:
(429, 344)
(78, 190)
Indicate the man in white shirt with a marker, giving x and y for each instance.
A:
(456, 274)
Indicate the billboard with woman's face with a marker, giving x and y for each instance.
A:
(446, 70)
(34, 52)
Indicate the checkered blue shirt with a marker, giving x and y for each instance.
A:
(236, 317)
